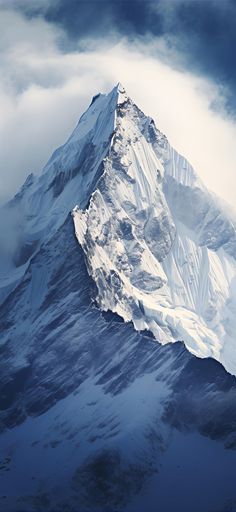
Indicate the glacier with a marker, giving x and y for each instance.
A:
(160, 247)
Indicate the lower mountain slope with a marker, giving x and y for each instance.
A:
(96, 416)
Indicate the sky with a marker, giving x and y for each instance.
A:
(175, 58)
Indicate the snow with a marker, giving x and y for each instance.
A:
(44, 202)
(159, 246)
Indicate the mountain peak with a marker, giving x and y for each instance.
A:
(120, 93)
(165, 271)
(120, 89)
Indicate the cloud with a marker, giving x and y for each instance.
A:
(202, 31)
(44, 91)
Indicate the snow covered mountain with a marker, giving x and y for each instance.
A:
(103, 416)
(159, 246)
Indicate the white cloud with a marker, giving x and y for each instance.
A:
(44, 91)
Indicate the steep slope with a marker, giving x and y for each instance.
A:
(35, 214)
(159, 246)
